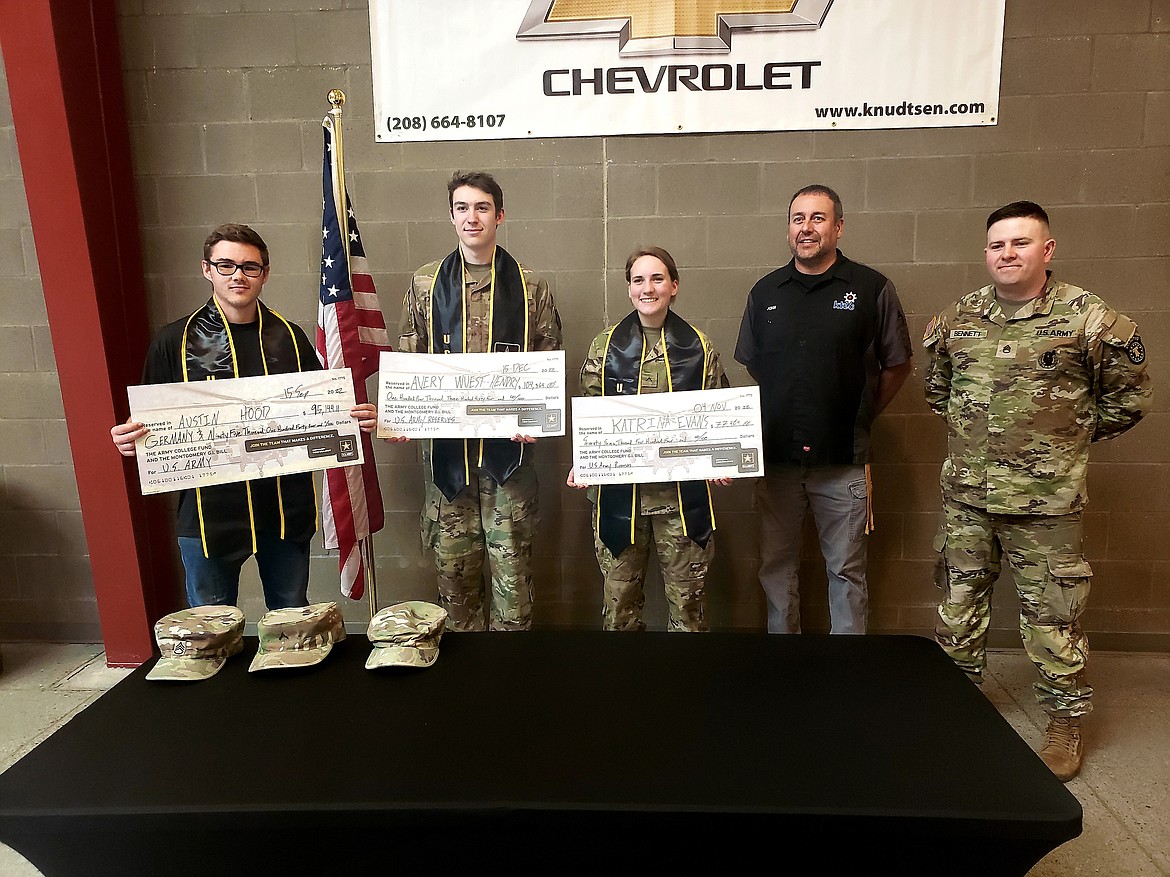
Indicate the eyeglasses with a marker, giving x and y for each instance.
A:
(227, 268)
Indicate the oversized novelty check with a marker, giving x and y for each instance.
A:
(216, 432)
(686, 436)
(471, 395)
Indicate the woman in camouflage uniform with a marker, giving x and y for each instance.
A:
(652, 350)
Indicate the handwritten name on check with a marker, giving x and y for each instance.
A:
(238, 429)
(471, 395)
(687, 436)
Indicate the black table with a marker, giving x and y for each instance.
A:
(547, 751)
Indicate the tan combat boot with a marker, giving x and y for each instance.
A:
(1062, 750)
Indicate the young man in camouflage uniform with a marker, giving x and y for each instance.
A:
(1027, 372)
(481, 495)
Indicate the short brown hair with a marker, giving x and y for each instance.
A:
(236, 233)
(481, 180)
(658, 253)
(1019, 210)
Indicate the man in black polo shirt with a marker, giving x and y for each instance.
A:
(826, 340)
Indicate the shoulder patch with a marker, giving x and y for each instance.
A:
(933, 331)
(1135, 350)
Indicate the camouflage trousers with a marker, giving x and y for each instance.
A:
(1052, 579)
(684, 574)
(486, 519)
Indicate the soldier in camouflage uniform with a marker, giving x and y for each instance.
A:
(481, 513)
(653, 283)
(1027, 372)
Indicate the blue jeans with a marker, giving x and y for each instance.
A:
(284, 573)
(838, 498)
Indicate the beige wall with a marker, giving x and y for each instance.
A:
(225, 98)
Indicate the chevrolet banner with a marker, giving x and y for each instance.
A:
(506, 69)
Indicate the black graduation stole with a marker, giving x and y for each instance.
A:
(208, 354)
(451, 459)
(686, 364)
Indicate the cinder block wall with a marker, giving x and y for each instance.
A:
(225, 99)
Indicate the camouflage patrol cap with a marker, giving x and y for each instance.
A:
(406, 635)
(195, 643)
(297, 637)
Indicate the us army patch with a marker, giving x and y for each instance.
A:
(1136, 350)
(1048, 360)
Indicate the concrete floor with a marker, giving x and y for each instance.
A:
(1124, 787)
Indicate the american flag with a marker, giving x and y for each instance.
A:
(350, 334)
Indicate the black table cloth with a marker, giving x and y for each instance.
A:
(548, 751)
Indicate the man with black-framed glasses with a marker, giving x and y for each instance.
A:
(235, 335)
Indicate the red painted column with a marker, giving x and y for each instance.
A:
(65, 82)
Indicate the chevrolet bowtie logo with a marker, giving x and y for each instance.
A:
(662, 27)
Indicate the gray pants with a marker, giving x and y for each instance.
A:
(838, 499)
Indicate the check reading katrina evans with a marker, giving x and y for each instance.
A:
(686, 436)
(471, 395)
(237, 429)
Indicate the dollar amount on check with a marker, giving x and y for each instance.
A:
(687, 436)
(238, 429)
(471, 395)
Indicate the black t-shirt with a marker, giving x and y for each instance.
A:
(164, 365)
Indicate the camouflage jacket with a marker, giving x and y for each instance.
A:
(653, 499)
(1023, 396)
(544, 323)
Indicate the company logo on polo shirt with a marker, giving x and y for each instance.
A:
(847, 302)
(667, 27)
